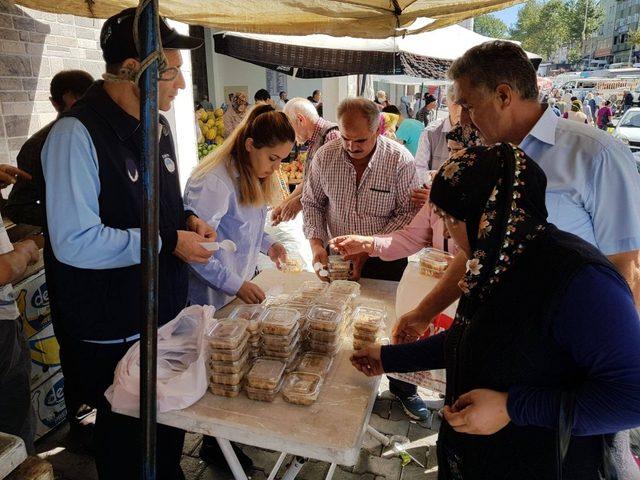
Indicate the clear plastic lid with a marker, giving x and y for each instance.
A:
(265, 374)
(369, 319)
(252, 314)
(313, 287)
(227, 333)
(314, 363)
(338, 301)
(301, 388)
(324, 318)
(324, 336)
(434, 262)
(281, 351)
(302, 298)
(279, 321)
(276, 300)
(345, 287)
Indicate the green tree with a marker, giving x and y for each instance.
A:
(583, 18)
(490, 26)
(542, 26)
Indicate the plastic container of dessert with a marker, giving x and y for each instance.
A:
(365, 336)
(434, 262)
(275, 342)
(325, 336)
(360, 344)
(225, 390)
(301, 388)
(230, 367)
(339, 301)
(227, 378)
(313, 287)
(314, 363)
(369, 320)
(262, 394)
(302, 298)
(229, 355)
(293, 264)
(282, 352)
(324, 347)
(345, 287)
(276, 300)
(324, 318)
(279, 321)
(265, 374)
(252, 314)
(227, 334)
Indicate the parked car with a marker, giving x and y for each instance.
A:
(628, 132)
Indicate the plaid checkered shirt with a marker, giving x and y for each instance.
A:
(334, 205)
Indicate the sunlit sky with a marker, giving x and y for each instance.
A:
(509, 15)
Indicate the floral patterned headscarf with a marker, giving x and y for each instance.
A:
(500, 193)
(462, 136)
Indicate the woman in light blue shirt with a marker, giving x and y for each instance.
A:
(231, 190)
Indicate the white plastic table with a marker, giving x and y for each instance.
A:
(330, 430)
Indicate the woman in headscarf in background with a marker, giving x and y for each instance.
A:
(234, 115)
(542, 360)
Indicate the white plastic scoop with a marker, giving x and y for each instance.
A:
(226, 245)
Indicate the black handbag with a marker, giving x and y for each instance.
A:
(565, 426)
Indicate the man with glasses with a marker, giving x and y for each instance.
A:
(93, 197)
(361, 184)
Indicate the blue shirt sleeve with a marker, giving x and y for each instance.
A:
(612, 200)
(597, 324)
(78, 236)
(427, 354)
(209, 198)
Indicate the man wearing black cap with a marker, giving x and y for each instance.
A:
(93, 194)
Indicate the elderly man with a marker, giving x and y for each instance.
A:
(592, 182)
(91, 167)
(362, 184)
(312, 130)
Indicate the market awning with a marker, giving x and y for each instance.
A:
(359, 18)
(423, 55)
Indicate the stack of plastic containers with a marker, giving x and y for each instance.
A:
(317, 363)
(281, 335)
(325, 326)
(264, 380)
(434, 262)
(344, 287)
(229, 352)
(338, 268)
(368, 326)
(253, 314)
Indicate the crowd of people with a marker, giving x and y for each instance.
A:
(541, 213)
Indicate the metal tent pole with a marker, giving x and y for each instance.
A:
(149, 244)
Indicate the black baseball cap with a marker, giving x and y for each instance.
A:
(429, 99)
(116, 37)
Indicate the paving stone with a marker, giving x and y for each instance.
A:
(415, 472)
(213, 473)
(340, 474)
(192, 443)
(313, 470)
(389, 427)
(262, 459)
(389, 468)
(421, 436)
(372, 445)
(382, 407)
(192, 467)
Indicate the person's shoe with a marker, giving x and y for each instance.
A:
(414, 407)
(211, 453)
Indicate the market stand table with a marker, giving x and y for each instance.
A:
(331, 430)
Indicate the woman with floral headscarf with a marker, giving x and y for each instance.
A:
(542, 360)
(425, 230)
(234, 115)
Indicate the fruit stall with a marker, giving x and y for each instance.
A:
(211, 131)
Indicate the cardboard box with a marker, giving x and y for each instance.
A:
(45, 355)
(48, 403)
(32, 298)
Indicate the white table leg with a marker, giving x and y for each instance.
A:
(232, 459)
(276, 467)
(332, 469)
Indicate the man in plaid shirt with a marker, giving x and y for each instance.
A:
(361, 184)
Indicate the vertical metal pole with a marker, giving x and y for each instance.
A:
(149, 245)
